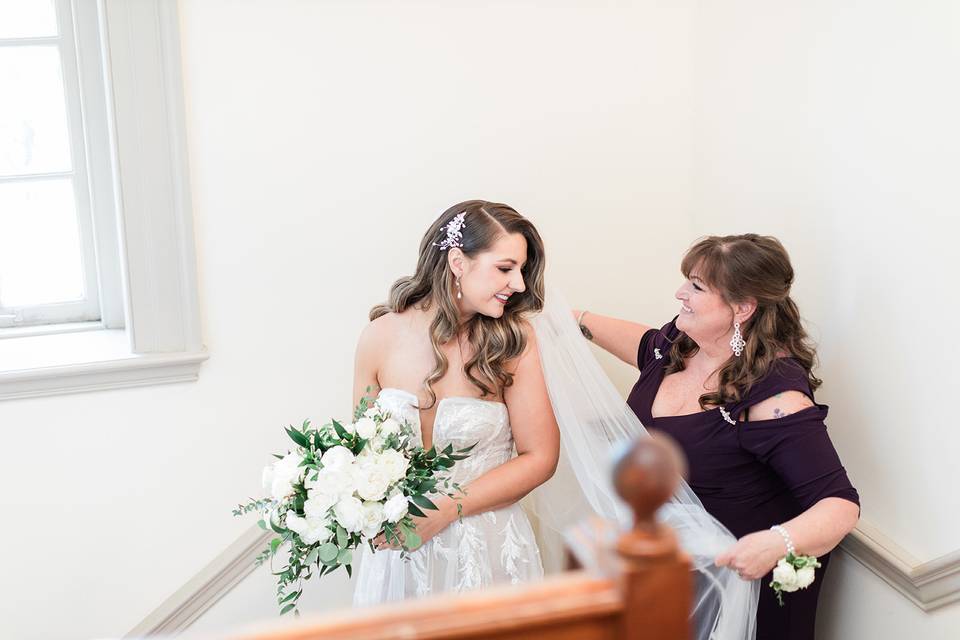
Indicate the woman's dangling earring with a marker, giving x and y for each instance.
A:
(459, 291)
(737, 342)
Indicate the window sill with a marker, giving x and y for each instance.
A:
(87, 361)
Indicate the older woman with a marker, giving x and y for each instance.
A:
(730, 378)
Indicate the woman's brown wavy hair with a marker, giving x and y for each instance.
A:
(495, 341)
(740, 268)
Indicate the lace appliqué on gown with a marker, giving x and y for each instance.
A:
(494, 547)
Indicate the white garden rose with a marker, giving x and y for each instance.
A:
(372, 519)
(337, 458)
(805, 577)
(332, 482)
(311, 529)
(286, 472)
(389, 427)
(372, 480)
(349, 513)
(372, 412)
(394, 462)
(318, 503)
(366, 428)
(786, 576)
(395, 508)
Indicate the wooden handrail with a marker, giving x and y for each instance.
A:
(646, 595)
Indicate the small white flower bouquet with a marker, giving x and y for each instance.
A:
(343, 485)
(793, 572)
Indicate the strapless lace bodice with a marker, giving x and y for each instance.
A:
(461, 422)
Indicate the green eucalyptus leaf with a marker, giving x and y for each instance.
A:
(288, 608)
(411, 540)
(344, 557)
(328, 552)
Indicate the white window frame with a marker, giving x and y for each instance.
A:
(151, 333)
(37, 318)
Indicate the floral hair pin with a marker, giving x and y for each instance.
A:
(454, 233)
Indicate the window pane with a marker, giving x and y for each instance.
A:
(33, 112)
(27, 18)
(40, 255)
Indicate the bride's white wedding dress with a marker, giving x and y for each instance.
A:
(494, 547)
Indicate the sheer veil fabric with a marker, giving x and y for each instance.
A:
(595, 424)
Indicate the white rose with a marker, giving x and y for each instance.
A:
(318, 503)
(295, 523)
(372, 481)
(366, 428)
(394, 462)
(786, 576)
(349, 513)
(372, 519)
(372, 411)
(389, 427)
(331, 482)
(337, 458)
(286, 472)
(310, 529)
(805, 577)
(395, 508)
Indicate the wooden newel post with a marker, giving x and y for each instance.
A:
(657, 577)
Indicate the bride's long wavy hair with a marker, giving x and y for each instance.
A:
(495, 342)
(740, 268)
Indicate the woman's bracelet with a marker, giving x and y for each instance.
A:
(583, 328)
(786, 538)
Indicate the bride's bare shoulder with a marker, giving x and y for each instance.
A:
(530, 348)
(389, 327)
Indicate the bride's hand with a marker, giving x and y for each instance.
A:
(434, 522)
(753, 555)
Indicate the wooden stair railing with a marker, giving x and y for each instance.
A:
(645, 591)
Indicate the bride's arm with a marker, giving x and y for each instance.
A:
(367, 362)
(619, 337)
(537, 439)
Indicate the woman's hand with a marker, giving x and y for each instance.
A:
(434, 522)
(753, 555)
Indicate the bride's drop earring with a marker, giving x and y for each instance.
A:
(737, 342)
(459, 291)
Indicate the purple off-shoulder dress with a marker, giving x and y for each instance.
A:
(756, 473)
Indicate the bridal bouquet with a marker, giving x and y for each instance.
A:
(344, 484)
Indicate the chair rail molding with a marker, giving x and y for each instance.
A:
(929, 585)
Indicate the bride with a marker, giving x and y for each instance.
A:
(452, 352)
(470, 351)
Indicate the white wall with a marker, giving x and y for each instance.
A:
(833, 126)
(323, 138)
